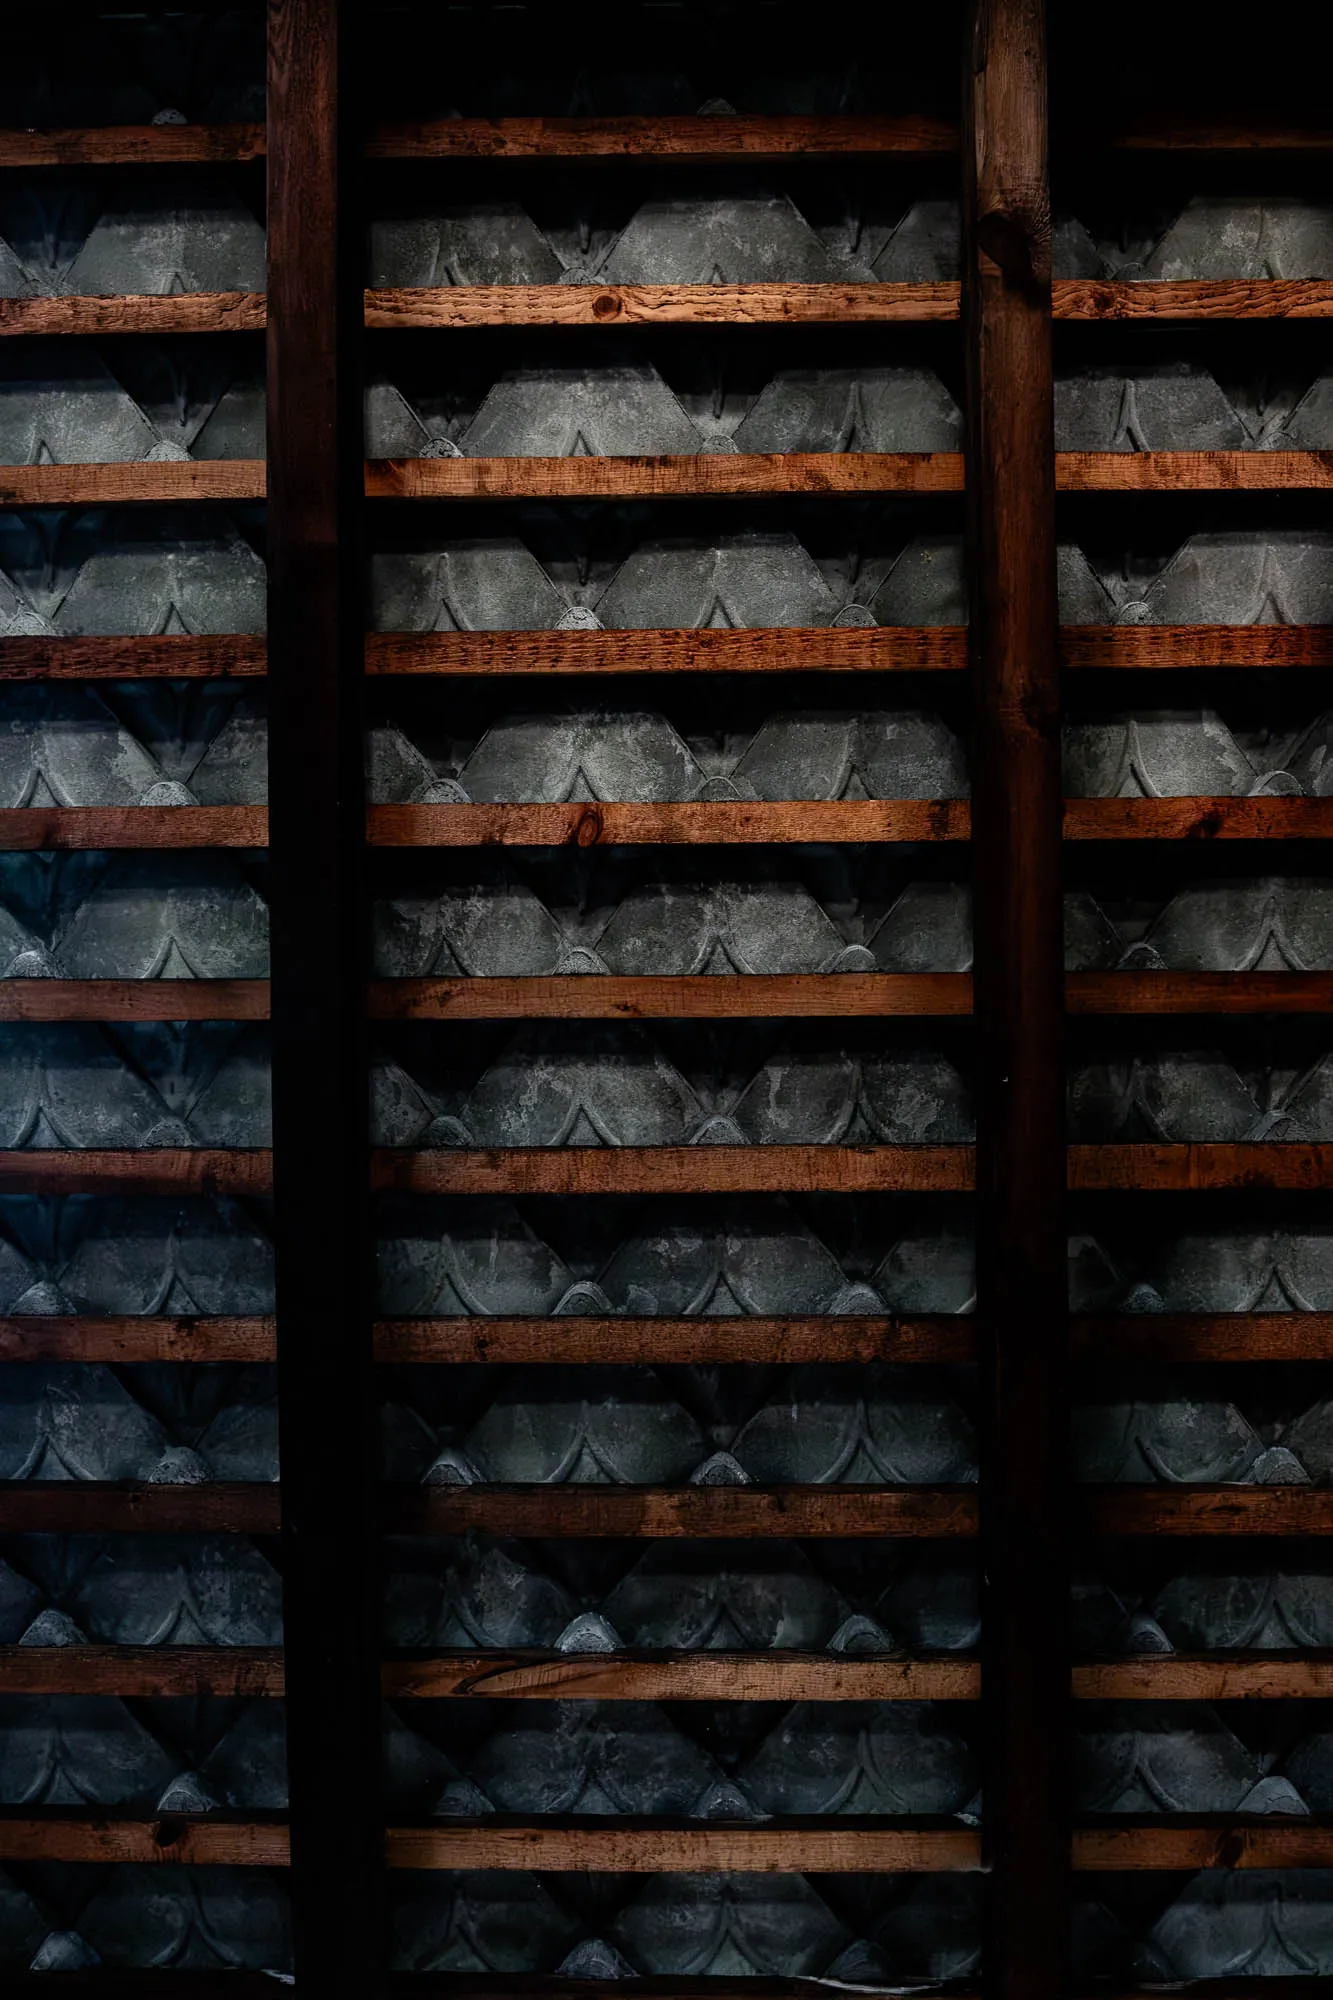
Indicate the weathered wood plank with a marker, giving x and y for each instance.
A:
(141, 1672)
(689, 823)
(29, 828)
(1208, 1677)
(1159, 1337)
(692, 1512)
(647, 1848)
(702, 1341)
(235, 1170)
(1203, 1168)
(662, 997)
(88, 1507)
(132, 145)
(145, 482)
(1132, 648)
(128, 1341)
(161, 313)
(1268, 1842)
(1192, 299)
(210, 1841)
(1090, 993)
(1188, 471)
(133, 1000)
(537, 1676)
(772, 650)
(748, 137)
(1209, 1510)
(573, 1170)
(172, 656)
(1199, 819)
(661, 305)
(714, 476)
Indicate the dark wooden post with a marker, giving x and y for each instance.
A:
(1022, 1295)
(325, 1378)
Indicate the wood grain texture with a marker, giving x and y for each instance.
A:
(691, 823)
(1191, 471)
(1199, 819)
(630, 1847)
(1208, 1677)
(711, 476)
(172, 656)
(1204, 1168)
(706, 1676)
(690, 1512)
(605, 1170)
(1260, 1842)
(179, 1170)
(1168, 648)
(127, 1341)
(1206, 1337)
(749, 137)
(210, 1841)
(89, 1507)
(132, 145)
(156, 482)
(1197, 135)
(141, 1672)
(661, 305)
(1192, 299)
(773, 650)
(133, 1000)
(662, 997)
(141, 312)
(30, 828)
(1092, 993)
(1208, 1510)
(702, 1341)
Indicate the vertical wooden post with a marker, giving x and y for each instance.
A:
(1022, 1298)
(325, 1374)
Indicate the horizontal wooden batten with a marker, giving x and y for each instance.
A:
(607, 1170)
(828, 1845)
(1208, 1677)
(211, 1840)
(709, 476)
(703, 1676)
(136, 312)
(1190, 471)
(1203, 1168)
(1194, 135)
(180, 1170)
(1191, 299)
(426, 306)
(130, 1341)
(95, 1507)
(877, 649)
(132, 145)
(142, 1672)
(1172, 648)
(1209, 1510)
(1096, 993)
(1199, 819)
(142, 482)
(1204, 1337)
(171, 656)
(32, 828)
(690, 997)
(690, 823)
(133, 1000)
(706, 139)
(702, 1341)
(688, 1512)
(1261, 1841)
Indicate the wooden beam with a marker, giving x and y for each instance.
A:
(1181, 471)
(129, 1342)
(690, 997)
(1199, 819)
(690, 823)
(1094, 993)
(630, 1847)
(1265, 1841)
(1206, 1337)
(171, 656)
(94, 1507)
(607, 1170)
(545, 1676)
(162, 313)
(1192, 299)
(179, 1170)
(133, 1000)
(773, 650)
(721, 475)
(1018, 982)
(661, 305)
(747, 137)
(1197, 135)
(132, 146)
(702, 1341)
(145, 482)
(1203, 1168)
(1209, 1510)
(1208, 1677)
(30, 828)
(142, 1672)
(212, 1840)
(1171, 648)
(690, 1512)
